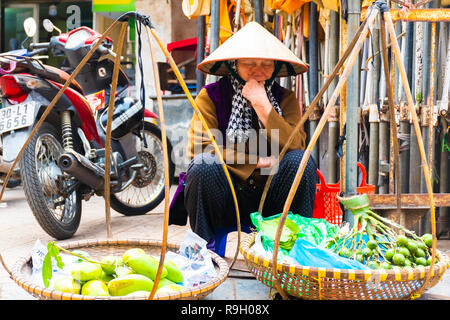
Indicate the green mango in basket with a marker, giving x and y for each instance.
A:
(67, 284)
(146, 265)
(127, 254)
(164, 282)
(85, 271)
(110, 263)
(129, 283)
(124, 270)
(106, 277)
(173, 272)
(95, 288)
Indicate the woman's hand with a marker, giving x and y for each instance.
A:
(255, 92)
(266, 162)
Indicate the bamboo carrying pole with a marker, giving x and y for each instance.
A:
(211, 137)
(166, 165)
(112, 99)
(348, 67)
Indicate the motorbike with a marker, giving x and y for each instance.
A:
(64, 162)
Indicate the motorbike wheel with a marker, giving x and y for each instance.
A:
(59, 216)
(146, 191)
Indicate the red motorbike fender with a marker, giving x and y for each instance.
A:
(149, 114)
(84, 111)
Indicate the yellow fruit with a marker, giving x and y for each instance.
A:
(127, 254)
(170, 288)
(110, 263)
(129, 283)
(95, 288)
(85, 271)
(146, 265)
(139, 293)
(67, 284)
(173, 273)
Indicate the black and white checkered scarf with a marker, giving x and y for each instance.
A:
(241, 112)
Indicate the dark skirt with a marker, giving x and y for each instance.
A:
(209, 203)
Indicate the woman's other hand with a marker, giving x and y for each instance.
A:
(266, 162)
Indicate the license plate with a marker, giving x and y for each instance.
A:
(16, 116)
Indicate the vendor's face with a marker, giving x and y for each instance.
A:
(257, 69)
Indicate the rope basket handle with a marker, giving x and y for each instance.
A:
(309, 110)
(47, 111)
(396, 50)
(177, 73)
(353, 49)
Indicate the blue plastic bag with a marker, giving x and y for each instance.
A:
(308, 254)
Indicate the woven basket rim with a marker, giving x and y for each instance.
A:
(361, 275)
(203, 289)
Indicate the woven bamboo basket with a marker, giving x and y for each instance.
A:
(97, 249)
(342, 284)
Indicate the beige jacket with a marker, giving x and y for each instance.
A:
(199, 140)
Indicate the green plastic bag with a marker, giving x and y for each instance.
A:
(268, 228)
(314, 230)
(296, 226)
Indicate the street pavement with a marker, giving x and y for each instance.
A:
(19, 231)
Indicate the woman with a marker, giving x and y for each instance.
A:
(251, 117)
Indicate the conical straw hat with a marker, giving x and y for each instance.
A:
(252, 41)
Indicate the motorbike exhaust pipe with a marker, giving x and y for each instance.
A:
(74, 165)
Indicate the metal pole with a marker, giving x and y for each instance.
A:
(333, 123)
(313, 70)
(214, 32)
(374, 151)
(215, 24)
(404, 131)
(384, 145)
(374, 117)
(409, 39)
(351, 146)
(333, 135)
(258, 6)
(444, 212)
(405, 126)
(414, 160)
(201, 27)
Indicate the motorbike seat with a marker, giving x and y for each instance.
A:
(48, 72)
(61, 76)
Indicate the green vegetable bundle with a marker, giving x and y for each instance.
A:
(379, 242)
